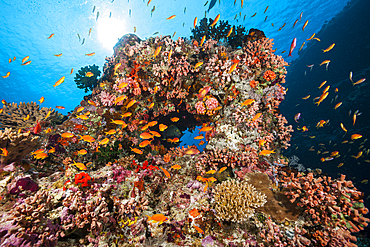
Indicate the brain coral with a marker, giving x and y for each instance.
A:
(235, 201)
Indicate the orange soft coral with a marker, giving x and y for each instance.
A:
(82, 178)
(253, 83)
(269, 75)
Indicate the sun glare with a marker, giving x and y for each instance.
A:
(110, 30)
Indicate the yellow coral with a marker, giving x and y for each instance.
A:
(235, 201)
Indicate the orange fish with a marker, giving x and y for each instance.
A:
(304, 26)
(258, 115)
(211, 172)
(198, 65)
(80, 166)
(233, 67)
(58, 55)
(199, 137)
(51, 35)
(306, 97)
(91, 102)
(26, 63)
(90, 54)
(162, 127)
(261, 142)
(146, 136)
(67, 135)
(229, 33)
(152, 123)
(191, 151)
(199, 229)
(171, 17)
(169, 56)
(119, 122)
(87, 138)
(111, 132)
(322, 84)
(7, 75)
(222, 169)
(89, 74)
(202, 40)
(215, 20)
(157, 51)
(356, 136)
(41, 156)
(206, 128)
(157, 218)
(119, 99)
(60, 81)
(71, 71)
(155, 133)
(175, 119)
(25, 59)
(136, 150)
(151, 105)
(359, 81)
(60, 107)
(343, 128)
(145, 143)
(176, 167)
(127, 114)
(104, 141)
(79, 109)
(322, 97)
(195, 21)
(325, 62)
(165, 172)
(201, 143)
(82, 152)
(326, 89)
(329, 48)
(42, 100)
(254, 14)
(131, 103)
(5, 152)
(337, 105)
(266, 152)
(247, 102)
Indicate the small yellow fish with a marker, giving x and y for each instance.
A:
(104, 141)
(177, 167)
(306, 97)
(304, 26)
(359, 81)
(58, 55)
(343, 128)
(90, 54)
(329, 48)
(215, 20)
(80, 166)
(222, 169)
(60, 81)
(211, 172)
(165, 172)
(110, 132)
(202, 40)
(322, 84)
(325, 62)
(247, 102)
(25, 59)
(89, 74)
(175, 119)
(157, 51)
(7, 75)
(195, 22)
(82, 152)
(266, 152)
(337, 105)
(198, 65)
(171, 17)
(136, 150)
(51, 35)
(26, 118)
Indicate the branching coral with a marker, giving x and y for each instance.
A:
(236, 201)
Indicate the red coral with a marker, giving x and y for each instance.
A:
(269, 75)
(82, 178)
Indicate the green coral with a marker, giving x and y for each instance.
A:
(85, 82)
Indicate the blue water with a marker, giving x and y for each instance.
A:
(25, 26)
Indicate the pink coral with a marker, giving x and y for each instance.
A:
(211, 103)
(200, 107)
(107, 99)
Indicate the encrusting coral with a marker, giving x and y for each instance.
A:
(236, 201)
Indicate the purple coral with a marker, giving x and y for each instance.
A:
(24, 184)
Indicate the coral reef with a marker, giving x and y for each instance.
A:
(116, 173)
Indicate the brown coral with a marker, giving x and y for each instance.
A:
(14, 115)
(236, 201)
(18, 145)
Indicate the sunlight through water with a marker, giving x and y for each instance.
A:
(110, 30)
